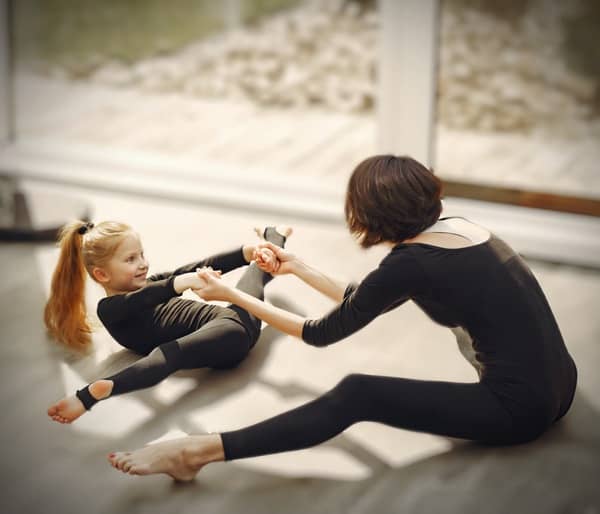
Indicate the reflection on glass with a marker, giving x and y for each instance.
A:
(284, 84)
(519, 95)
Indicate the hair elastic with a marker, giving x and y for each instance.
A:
(85, 227)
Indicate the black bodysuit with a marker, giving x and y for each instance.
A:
(143, 319)
(177, 333)
(527, 377)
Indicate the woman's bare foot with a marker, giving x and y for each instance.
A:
(180, 458)
(70, 408)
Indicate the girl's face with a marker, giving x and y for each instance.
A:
(127, 269)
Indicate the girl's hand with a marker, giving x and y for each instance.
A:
(284, 260)
(212, 288)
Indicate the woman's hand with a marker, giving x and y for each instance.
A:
(266, 260)
(191, 280)
(274, 259)
(211, 287)
(196, 282)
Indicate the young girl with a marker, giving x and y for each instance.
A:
(462, 276)
(147, 314)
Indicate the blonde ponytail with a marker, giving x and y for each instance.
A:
(65, 313)
(82, 247)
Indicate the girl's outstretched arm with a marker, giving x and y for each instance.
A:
(224, 261)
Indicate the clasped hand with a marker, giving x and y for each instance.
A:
(210, 286)
(267, 256)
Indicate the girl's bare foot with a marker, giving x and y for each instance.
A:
(70, 408)
(284, 230)
(180, 458)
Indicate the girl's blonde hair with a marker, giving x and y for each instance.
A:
(83, 246)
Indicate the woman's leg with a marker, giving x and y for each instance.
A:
(468, 411)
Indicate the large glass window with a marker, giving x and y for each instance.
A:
(287, 86)
(519, 96)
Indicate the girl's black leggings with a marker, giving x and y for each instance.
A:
(223, 342)
(468, 411)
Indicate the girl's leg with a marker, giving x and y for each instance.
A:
(219, 343)
(253, 282)
(468, 411)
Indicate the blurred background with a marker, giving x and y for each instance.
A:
(195, 120)
(517, 101)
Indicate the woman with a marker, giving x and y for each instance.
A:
(146, 314)
(462, 276)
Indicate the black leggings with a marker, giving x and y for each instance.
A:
(223, 342)
(468, 411)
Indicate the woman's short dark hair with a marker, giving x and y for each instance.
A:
(391, 198)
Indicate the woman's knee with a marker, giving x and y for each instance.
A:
(346, 400)
(351, 387)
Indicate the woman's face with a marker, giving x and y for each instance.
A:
(127, 269)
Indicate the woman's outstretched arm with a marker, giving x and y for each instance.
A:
(289, 263)
(280, 319)
(397, 278)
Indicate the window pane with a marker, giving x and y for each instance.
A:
(519, 95)
(287, 85)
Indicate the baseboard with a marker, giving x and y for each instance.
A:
(536, 233)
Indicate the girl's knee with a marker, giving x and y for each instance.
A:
(167, 355)
(234, 350)
(230, 363)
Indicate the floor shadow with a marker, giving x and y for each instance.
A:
(213, 386)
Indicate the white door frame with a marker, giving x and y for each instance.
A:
(6, 104)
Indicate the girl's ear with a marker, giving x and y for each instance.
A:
(100, 275)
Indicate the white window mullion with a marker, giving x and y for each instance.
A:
(6, 109)
(408, 47)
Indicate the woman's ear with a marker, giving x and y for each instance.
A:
(100, 275)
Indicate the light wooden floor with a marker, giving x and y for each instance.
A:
(371, 468)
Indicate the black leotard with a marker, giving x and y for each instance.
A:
(488, 290)
(156, 313)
